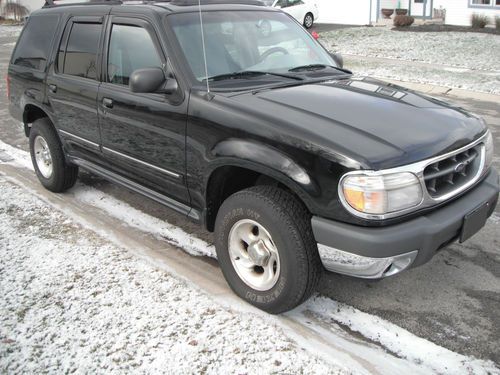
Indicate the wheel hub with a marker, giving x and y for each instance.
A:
(43, 158)
(254, 255)
(259, 253)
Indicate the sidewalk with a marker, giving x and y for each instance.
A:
(430, 89)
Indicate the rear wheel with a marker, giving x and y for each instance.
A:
(308, 20)
(266, 248)
(48, 158)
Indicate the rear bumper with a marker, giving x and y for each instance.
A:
(370, 252)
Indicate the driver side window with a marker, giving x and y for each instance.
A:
(130, 48)
(282, 3)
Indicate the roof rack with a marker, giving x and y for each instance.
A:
(207, 2)
(51, 3)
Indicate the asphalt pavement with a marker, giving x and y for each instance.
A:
(453, 300)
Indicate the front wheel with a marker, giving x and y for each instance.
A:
(308, 20)
(266, 248)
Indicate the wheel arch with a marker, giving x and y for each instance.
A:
(240, 164)
(31, 113)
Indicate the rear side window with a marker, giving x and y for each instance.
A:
(33, 47)
(130, 48)
(80, 58)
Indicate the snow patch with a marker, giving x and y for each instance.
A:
(397, 340)
(10, 31)
(144, 222)
(74, 302)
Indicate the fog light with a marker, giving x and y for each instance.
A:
(346, 263)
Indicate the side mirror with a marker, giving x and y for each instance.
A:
(152, 80)
(337, 57)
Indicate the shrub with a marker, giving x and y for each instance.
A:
(479, 21)
(403, 21)
(497, 23)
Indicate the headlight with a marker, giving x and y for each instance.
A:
(381, 194)
(488, 145)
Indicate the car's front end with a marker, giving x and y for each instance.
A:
(459, 188)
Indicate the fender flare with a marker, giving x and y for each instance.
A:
(267, 160)
(26, 101)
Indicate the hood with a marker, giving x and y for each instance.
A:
(377, 124)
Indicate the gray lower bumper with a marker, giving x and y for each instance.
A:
(375, 252)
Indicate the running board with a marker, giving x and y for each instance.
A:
(181, 208)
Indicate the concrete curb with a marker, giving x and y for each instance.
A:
(447, 91)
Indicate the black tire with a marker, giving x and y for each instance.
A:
(308, 20)
(63, 175)
(288, 223)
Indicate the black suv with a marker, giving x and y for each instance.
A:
(233, 115)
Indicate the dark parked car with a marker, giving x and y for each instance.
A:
(297, 165)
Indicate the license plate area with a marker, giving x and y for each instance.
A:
(474, 221)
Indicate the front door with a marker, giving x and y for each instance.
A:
(143, 135)
(420, 8)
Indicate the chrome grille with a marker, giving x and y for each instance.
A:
(450, 174)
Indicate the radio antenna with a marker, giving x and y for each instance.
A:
(203, 46)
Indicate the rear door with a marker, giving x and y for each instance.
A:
(72, 88)
(143, 135)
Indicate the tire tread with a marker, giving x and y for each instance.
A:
(297, 218)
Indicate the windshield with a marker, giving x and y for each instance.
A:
(238, 41)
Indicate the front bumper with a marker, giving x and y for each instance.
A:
(370, 252)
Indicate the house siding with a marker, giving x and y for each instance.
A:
(459, 12)
(392, 4)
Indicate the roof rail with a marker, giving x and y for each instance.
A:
(51, 3)
(207, 2)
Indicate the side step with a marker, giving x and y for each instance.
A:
(183, 209)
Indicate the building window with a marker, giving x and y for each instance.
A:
(484, 3)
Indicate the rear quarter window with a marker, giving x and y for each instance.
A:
(33, 47)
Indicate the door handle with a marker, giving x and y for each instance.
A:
(107, 102)
(52, 88)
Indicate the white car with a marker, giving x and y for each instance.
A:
(304, 12)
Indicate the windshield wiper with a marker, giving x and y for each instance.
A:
(250, 73)
(313, 67)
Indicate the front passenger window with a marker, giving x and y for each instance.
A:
(130, 48)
